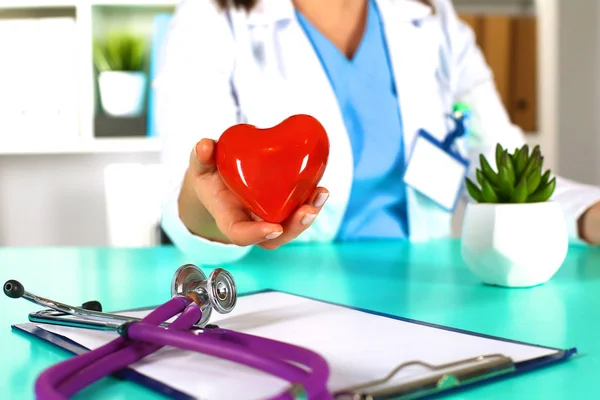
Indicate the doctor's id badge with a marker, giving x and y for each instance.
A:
(435, 171)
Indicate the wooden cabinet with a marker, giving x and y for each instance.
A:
(509, 44)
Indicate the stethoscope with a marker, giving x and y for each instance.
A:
(193, 297)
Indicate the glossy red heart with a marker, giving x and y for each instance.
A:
(272, 171)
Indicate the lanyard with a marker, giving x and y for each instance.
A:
(461, 116)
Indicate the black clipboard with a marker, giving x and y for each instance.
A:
(441, 380)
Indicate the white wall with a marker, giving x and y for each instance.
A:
(578, 100)
(56, 199)
(547, 88)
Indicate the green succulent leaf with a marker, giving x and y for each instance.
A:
(545, 178)
(521, 160)
(499, 153)
(515, 156)
(487, 170)
(543, 193)
(532, 164)
(533, 180)
(100, 58)
(507, 165)
(520, 193)
(488, 194)
(120, 51)
(505, 185)
(479, 176)
(474, 191)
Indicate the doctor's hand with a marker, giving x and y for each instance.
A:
(210, 210)
(589, 225)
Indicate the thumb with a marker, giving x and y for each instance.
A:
(202, 159)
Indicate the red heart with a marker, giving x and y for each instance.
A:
(273, 171)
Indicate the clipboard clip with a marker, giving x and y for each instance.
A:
(438, 378)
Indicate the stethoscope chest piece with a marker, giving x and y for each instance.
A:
(218, 291)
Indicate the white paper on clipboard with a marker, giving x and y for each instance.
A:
(359, 346)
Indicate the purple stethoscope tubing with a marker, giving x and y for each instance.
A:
(194, 296)
(67, 378)
(74, 375)
(52, 377)
(315, 383)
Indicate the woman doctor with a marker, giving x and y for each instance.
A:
(373, 72)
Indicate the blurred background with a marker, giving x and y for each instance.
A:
(78, 149)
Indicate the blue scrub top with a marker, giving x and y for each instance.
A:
(366, 94)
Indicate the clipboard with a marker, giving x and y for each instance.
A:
(352, 368)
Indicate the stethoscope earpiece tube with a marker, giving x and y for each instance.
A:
(15, 289)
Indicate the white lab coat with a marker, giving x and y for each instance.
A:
(220, 69)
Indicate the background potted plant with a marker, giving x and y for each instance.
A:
(513, 235)
(120, 59)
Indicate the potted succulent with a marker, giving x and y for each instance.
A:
(513, 234)
(120, 59)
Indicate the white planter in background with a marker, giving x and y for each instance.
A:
(122, 93)
(514, 245)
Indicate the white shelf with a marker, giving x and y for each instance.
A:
(147, 3)
(11, 4)
(91, 17)
(82, 146)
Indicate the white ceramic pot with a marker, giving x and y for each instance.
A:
(122, 93)
(514, 245)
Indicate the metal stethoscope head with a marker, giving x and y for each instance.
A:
(217, 292)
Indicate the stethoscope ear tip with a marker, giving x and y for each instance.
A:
(13, 289)
(92, 305)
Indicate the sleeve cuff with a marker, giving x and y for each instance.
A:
(575, 201)
(200, 250)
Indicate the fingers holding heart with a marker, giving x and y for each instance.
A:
(255, 217)
(301, 220)
(242, 230)
(245, 233)
(319, 197)
(202, 160)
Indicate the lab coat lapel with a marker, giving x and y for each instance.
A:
(414, 63)
(412, 32)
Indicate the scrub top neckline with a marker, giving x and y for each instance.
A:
(368, 31)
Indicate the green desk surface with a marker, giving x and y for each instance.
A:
(428, 282)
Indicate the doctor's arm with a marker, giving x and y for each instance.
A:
(194, 105)
(473, 84)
